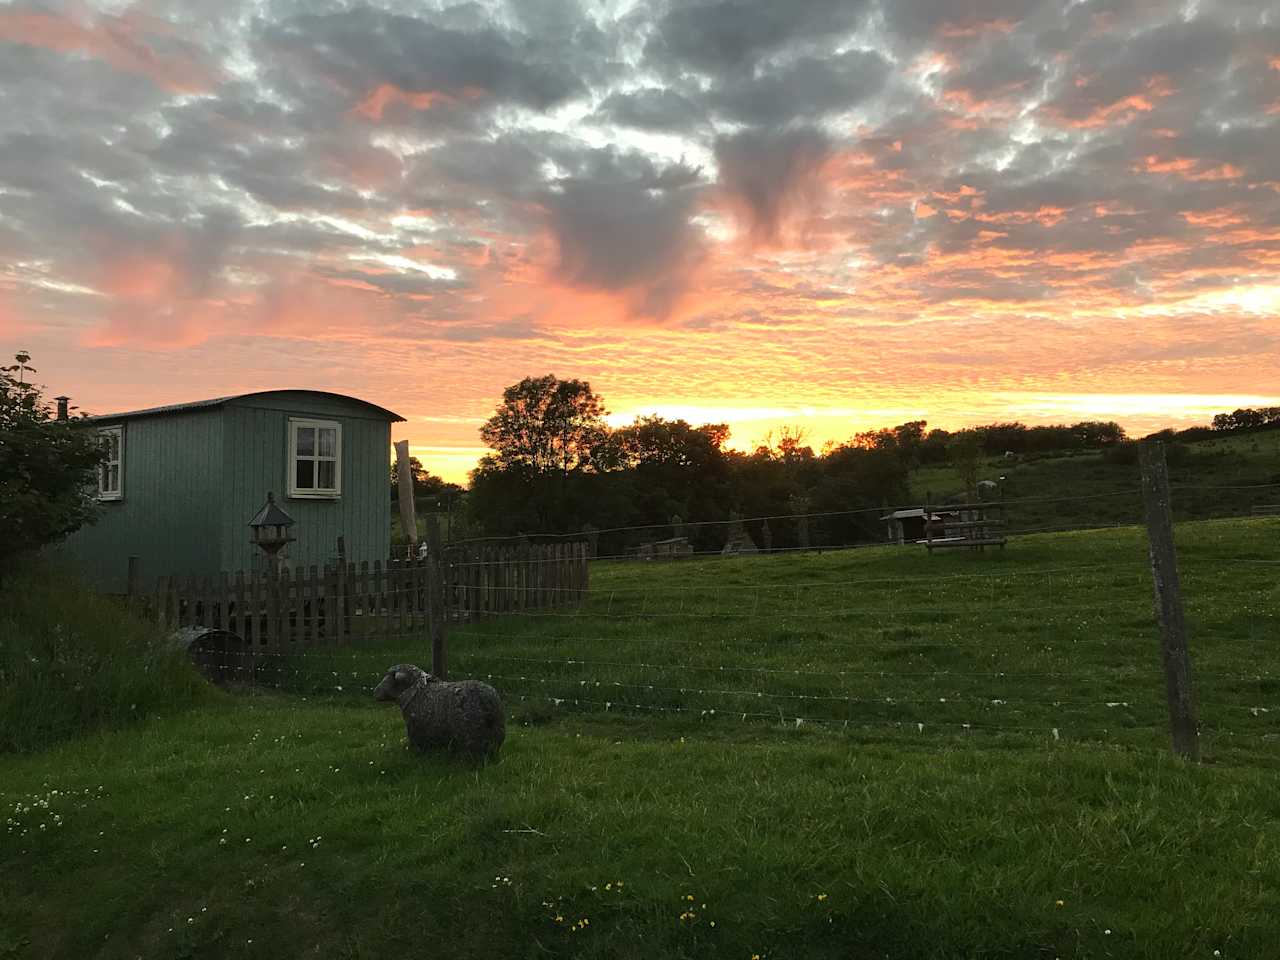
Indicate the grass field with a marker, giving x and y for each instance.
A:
(981, 770)
(1218, 477)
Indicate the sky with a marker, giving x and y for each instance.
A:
(836, 215)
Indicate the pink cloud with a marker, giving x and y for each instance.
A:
(377, 100)
(128, 43)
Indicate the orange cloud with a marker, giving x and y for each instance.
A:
(956, 31)
(1188, 168)
(122, 42)
(1117, 112)
(380, 97)
(1221, 217)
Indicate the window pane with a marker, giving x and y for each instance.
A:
(306, 442)
(113, 445)
(328, 442)
(104, 478)
(304, 478)
(327, 473)
(115, 478)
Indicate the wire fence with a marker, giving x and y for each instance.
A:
(871, 526)
(1051, 640)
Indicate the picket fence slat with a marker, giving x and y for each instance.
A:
(344, 602)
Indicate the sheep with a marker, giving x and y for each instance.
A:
(463, 717)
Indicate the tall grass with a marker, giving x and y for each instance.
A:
(72, 661)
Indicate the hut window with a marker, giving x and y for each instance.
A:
(110, 472)
(315, 458)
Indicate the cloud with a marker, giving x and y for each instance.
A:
(427, 199)
(624, 225)
(808, 87)
(132, 43)
(652, 108)
(729, 36)
(766, 176)
(376, 58)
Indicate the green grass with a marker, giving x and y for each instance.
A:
(1219, 477)
(1054, 636)
(72, 661)
(854, 834)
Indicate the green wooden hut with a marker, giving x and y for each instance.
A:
(182, 483)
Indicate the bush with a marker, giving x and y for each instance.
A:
(47, 469)
(1124, 453)
(72, 661)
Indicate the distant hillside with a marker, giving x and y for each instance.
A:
(1091, 488)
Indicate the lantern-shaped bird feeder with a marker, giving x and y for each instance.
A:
(270, 531)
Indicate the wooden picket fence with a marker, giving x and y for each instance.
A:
(345, 603)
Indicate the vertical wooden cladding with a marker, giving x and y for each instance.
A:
(258, 461)
(193, 476)
(169, 517)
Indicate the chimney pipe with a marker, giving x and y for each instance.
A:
(62, 407)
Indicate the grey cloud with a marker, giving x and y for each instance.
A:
(996, 69)
(653, 108)
(917, 22)
(361, 48)
(764, 173)
(1188, 54)
(807, 87)
(728, 36)
(507, 164)
(623, 224)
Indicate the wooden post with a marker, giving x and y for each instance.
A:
(380, 612)
(1168, 602)
(161, 609)
(241, 625)
(436, 599)
(340, 626)
(404, 485)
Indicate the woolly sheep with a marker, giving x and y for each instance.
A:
(463, 717)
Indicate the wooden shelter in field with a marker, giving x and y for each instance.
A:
(908, 525)
(182, 483)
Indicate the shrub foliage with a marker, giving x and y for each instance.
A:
(47, 468)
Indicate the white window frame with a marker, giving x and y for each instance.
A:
(118, 463)
(313, 493)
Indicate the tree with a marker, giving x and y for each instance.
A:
(965, 454)
(48, 468)
(427, 487)
(544, 424)
(1248, 418)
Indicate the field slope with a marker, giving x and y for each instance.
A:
(980, 770)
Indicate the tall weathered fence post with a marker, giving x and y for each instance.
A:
(1168, 602)
(404, 486)
(437, 597)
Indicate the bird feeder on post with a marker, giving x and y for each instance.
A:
(270, 532)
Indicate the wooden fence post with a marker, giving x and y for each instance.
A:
(438, 610)
(1168, 602)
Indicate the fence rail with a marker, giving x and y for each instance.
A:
(345, 603)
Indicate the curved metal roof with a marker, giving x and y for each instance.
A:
(222, 401)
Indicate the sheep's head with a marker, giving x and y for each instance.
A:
(398, 679)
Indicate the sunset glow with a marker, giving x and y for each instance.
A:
(826, 215)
